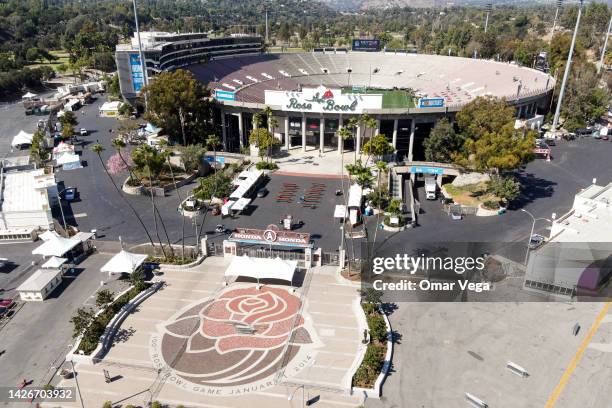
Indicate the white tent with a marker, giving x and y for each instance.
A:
(56, 246)
(124, 262)
(69, 161)
(22, 138)
(29, 95)
(54, 262)
(47, 235)
(262, 268)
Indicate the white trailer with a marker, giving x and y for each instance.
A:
(430, 188)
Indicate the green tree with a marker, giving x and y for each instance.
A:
(584, 100)
(442, 142)
(38, 151)
(67, 132)
(104, 297)
(191, 156)
(81, 320)
(506, 188)
(68, 118)
(263, 139)
(483, 114)
(377, 146)
(177, 103)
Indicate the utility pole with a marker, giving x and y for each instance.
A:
(603, 51)
(143, 65)
(266, 25)
(559, 4)
(488, 8)
(568, 64)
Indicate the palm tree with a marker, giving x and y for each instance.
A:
(272, 124)
(178, 193)
(213, 142)
(352, 126)
(98, 149)
(368, 123)
(344, 134)
(380, 166)
(146, 152)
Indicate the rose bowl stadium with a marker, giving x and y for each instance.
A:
(313, 94)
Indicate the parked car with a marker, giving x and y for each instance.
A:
(262, 192)
(536, 241)
(3, 311)
(3, 262)
(83, 132)
(70, 194)
(7, 303)
(551, 142)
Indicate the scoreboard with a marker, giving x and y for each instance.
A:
(366, 45)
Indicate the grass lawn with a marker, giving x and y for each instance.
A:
(392, 99)
(63, 58)
(471, 195)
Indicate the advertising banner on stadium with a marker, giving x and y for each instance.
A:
(366, 45)
(224, 95)
(431, 103)
(137, 76)
(323, 100)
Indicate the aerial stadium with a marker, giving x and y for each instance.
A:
(313, 94)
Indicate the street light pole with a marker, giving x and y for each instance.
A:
(143, 65)
(567, 70)
(559, 4)
(531, 233)
(603, 51)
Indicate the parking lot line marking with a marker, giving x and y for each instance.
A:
(576, 359)
(80, 215)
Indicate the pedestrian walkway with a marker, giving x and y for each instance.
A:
(236, 345)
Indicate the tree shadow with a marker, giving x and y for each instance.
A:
(532, 189)
(123, 335)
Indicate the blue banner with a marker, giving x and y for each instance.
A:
(224, 95)
(426, 170)
(210, 159)
(431, 103)
(137, 74)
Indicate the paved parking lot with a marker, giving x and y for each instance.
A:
(447, 349)
(189, 326)
(547, 188)
(37, 338)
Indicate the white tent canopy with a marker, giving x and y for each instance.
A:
(68, 158)
(56, 246)
(124, 262)
(22, 138)
(262, 268)
(54, 262)
(47, 235)
(29, 95)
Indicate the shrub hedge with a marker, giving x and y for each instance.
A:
(374, 357)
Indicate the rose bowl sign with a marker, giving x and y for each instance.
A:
(323, 100)
(270, 236)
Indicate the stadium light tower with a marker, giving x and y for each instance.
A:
(603, 51)
(488, 8)
(568, 64)
(559, 4)
(143, 65)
